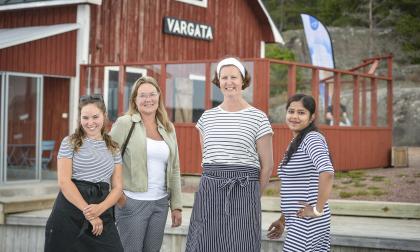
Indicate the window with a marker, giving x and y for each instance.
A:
(201, 3)
(111, 88)
(185, 92)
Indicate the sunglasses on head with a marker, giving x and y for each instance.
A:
(93, 97)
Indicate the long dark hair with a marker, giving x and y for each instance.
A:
(309, 104)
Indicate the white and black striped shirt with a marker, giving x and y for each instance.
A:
(300, 176)
(93, 162)
(230, 137)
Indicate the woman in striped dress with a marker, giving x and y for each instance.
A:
(306, 175)
(236, 141)
(88, 165)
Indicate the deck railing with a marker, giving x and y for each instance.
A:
(362, 140)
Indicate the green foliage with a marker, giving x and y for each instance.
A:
(274, 51)
(361, 193)
(346, 195)
(378, 192)
(377, 178)
(278, 73)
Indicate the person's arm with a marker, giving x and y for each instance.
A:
(176, 197)
(95, 210)
(276, 228)
(67, 187)
(326, 180)
(265, 153)
(317, 150)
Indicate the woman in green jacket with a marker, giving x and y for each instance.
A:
(151, 171)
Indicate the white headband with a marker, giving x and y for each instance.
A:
(230, 61)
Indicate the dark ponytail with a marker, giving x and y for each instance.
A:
(309, 104)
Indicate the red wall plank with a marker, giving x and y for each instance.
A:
(54, 55)
(132, 30)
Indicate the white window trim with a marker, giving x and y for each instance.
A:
(195, 2)
(197, 77)
(47, 4)
(142, 71)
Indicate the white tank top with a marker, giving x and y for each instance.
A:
(157, 158)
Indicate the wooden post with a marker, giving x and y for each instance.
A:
(389, 118)
(82, 84)
(208, 86)
(356, 109)
(291, 88)
(336, 99)
(315, 89)
(373, 102)
(364, 102)
(261, 92)
(121, 83)
(162, 81)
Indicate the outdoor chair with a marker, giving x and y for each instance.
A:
(47, 149)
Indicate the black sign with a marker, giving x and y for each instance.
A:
(187, 28)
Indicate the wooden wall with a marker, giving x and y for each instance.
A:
(131, 31)
(351, 147)
(54, 126)
(55, 55)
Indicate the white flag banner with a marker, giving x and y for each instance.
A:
(319, 42)
(320, 50)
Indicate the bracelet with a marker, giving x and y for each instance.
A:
(317, 214)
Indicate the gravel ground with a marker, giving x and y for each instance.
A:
(384, 184)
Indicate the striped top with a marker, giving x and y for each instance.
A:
(93, 162)
(300, 177)
(230, 137)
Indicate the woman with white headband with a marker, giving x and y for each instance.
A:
(236, 142)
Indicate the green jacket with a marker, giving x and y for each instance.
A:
(135, 160)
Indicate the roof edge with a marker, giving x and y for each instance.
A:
(47, 4)
(276, 33)
(45, 32)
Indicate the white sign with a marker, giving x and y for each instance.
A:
(187, 28)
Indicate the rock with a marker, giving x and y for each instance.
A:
(351, 46)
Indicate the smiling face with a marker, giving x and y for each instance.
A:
(147, 99)
(230, 81)
(298, 117)
(92, 120)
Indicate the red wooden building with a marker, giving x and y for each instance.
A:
(53, 51)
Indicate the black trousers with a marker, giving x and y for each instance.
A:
(68, 230)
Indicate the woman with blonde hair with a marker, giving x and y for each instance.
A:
(151, 170)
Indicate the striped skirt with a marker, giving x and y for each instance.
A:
(226, 214)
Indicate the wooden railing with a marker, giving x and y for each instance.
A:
(365, 144)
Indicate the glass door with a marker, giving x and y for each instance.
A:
(21, 126)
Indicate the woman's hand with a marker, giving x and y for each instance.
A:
(176, 217)
(97, 226)
(276, 229)
(93, 211)
(306, 211)
(122, 201)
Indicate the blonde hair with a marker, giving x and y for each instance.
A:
(76, 139)
(161, 114)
